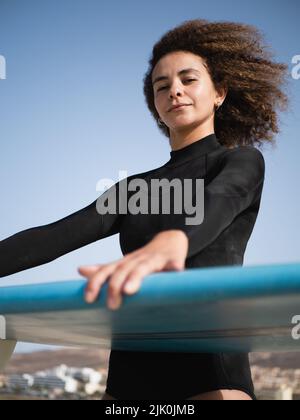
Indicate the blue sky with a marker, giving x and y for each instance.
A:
(72, 112)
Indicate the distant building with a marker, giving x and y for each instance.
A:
(20, 382)
(44, 381)
(63, 378)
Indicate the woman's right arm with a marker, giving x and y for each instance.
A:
(40, 245)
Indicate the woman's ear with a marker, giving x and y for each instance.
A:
(222, 93)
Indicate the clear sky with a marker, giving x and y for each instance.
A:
(72, 112)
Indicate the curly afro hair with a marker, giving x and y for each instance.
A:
(237, 58)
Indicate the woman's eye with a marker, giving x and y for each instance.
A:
(188, 80)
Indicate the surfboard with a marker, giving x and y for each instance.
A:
(222, 309)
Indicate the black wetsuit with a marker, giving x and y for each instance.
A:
(233, 181)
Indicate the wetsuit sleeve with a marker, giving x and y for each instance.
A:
(237, 186)
(40, 245)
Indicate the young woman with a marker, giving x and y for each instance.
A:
(213, 89)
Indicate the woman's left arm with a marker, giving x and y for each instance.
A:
(167, 251)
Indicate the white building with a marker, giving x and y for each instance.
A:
(63, 378)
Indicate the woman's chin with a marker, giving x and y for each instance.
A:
(181, 125)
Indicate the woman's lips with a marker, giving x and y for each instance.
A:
(179, 108)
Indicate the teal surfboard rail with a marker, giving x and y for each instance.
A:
(240, 309)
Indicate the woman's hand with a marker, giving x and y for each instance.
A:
(167, 251)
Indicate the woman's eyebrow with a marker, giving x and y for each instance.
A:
(184, 71)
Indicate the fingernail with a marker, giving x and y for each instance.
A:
(89, 297)
(130, 288)
(113, 303)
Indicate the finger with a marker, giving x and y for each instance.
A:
(98, 275)
(116, 281)
(132, 286)
(96, 281)
(135, 278)
(175, 265)
(88, 270)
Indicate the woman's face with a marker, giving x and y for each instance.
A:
(194, 88)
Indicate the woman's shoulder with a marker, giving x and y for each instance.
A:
(243, 154)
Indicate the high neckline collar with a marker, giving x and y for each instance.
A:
(197, 148)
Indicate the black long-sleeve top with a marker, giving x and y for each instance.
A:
(233, 184)
(233, 180)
